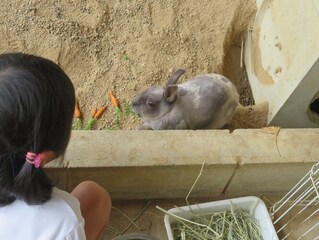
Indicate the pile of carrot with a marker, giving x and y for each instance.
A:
(95, 114)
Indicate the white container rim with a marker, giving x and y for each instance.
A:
(254, 205)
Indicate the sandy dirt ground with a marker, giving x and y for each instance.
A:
(128, 46)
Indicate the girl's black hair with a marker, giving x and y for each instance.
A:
(36, 109)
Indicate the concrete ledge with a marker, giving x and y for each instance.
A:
(165, 164)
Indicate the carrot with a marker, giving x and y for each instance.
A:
(94, 116)
(77, 124)
(77, 111)
(94, 110)
(113, 98)
(100, 112)
(116, 105)
(90, 124)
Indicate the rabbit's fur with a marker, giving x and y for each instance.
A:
(205, 101)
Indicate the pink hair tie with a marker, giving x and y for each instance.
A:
(34, 159)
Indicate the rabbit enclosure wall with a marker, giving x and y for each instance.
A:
(165, 164)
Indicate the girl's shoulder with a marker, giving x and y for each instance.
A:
(72, 202)
(57, 217)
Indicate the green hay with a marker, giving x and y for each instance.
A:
(225, 225)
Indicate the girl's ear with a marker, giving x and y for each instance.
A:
(48, 156)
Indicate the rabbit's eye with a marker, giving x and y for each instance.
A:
(151, 103)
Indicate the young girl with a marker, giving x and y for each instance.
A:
(36, 109)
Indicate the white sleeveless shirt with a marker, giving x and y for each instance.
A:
(57, 219)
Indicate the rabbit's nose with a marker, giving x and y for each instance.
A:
(135, 100)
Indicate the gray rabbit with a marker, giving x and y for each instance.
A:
(203, 102)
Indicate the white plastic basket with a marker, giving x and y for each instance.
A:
(253, 205)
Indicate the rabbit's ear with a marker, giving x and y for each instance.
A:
(175, 76)
(170, 93)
